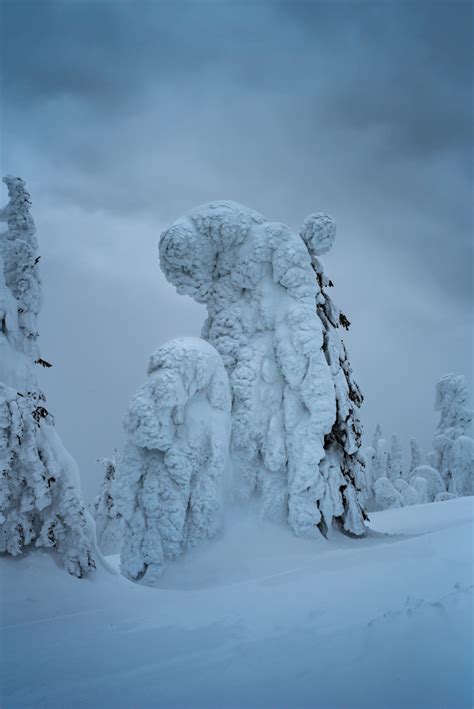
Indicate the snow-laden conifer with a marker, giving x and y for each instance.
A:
(170, 478)
(40, 496)
(394, 460)
(108, 521)
(344, 441)
(417, 457)
(260, 290)
(434, 481)
(453, 457)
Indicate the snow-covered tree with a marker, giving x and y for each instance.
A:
(108, 521)
(443, 496)
(367, 491)
(170, 478)
(259, 286)
(376, 437)
(394, 460)
(449, 458)
(409, 494)
(380, 467)
(462, 466)
(417, 457)
(421, 487)
(434, 481)
(451, 401)
(40, 496)
(344, 441)
(386, 495)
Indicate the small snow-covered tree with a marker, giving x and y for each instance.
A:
(449, 458)
(421, 486)
(394, 459)
(108, 520)
(367, 491)
(380, 460)
(386, 495)
(462, 466)
(40, 496)
(409, 494)
(258, 283)
(170, 478)
(417, 457)
(434, 481)
(376, 437)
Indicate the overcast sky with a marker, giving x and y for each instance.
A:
(123, 115)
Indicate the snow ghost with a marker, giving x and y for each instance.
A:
(169, 481)
(40, 495)
(258, 283)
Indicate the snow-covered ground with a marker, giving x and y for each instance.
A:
(257, 618)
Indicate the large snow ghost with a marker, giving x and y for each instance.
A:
(40, 496)
(259, 286)
(170, 477)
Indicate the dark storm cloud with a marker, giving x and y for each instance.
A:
(122, 115)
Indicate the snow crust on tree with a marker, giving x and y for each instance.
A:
(257, 281)
(170, 479)
(108, 520)
(40, 497)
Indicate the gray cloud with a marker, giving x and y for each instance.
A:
(122, 115)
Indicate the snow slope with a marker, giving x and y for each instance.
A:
(257, 618)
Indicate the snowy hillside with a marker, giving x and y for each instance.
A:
(257, 618)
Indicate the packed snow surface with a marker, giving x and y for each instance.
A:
(256, 618)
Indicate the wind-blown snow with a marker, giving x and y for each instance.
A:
(255, 619)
